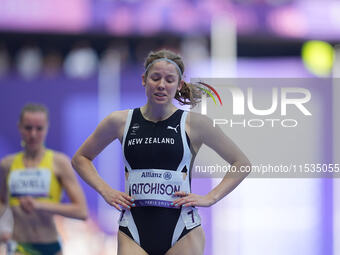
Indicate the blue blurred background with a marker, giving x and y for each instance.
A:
(84, 59)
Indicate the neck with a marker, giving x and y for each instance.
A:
(33, 154)
(157, 113)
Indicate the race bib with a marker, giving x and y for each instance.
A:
(30, 182)
(154, 187)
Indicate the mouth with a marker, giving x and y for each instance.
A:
(159, 94)
(32, 142)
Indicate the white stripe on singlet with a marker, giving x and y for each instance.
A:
(178, 230)
(126, 129)
(132, 226)
(186, 159)
(184, 162)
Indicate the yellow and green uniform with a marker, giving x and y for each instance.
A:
(35, 248)
(39, 182)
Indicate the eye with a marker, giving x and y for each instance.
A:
(40, 128)
(155, 76)
(28, 128)
(170, 79)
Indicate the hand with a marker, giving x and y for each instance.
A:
(116, 198)
(191, 199)
(28, 204)
(5, 237)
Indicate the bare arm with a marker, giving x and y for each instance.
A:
(4, 169)
(111, 128)
(224, 146)
(6, 218)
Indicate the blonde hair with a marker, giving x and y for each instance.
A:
(189, 93)
(33, 107)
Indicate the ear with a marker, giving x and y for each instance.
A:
(20, 129)
(181, 84)
(143, 80)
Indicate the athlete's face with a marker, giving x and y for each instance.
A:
(33, 129)
(162, 82)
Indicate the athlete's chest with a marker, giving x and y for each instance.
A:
(155, 145)
(154, 134)
(34, 181)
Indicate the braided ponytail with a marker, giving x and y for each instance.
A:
(188, 95)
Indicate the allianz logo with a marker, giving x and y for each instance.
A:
(166, 175)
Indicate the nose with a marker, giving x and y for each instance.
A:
(33, 133)
(161, 84)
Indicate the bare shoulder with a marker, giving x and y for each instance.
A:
(198, 121)
(61, 158)
(197, 116)
(113, 125)
(62, 162)
(6, 162)
(197, 127)
(117, 118)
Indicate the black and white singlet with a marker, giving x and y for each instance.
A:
(157, 159)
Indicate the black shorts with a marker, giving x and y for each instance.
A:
(157, 228)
